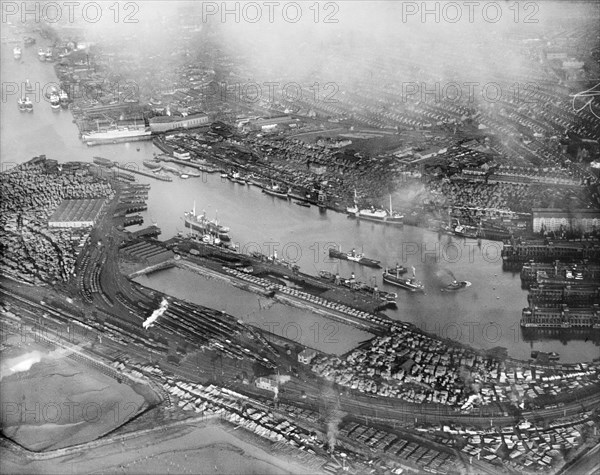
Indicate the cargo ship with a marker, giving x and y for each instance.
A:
(377, 215)
(203, 225)
(410, 284)
(354, 257)
(117, 135)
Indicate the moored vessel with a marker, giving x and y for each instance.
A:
(17, 52)
(63, 98)
(54, 101)
(275, 190)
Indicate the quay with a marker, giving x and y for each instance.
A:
(143, 173)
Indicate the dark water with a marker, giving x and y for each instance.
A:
(485, 315)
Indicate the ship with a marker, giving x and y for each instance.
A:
(117, 135)
(378, 215)
(205, 226)
(326, 275)
(411, 284)
(355, 257)
(17, 52)
(54, 101)
(64, 99)
(28, 104)
(275, 190)
(237, 178)
(41, 54)
(456, 285)
(105, 162)
(466, 231)
(152, 165)
(552, 356)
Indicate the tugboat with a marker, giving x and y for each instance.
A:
(410, 284)
(456, 285)
(17, 52)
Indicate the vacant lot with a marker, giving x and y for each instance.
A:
(50, 401)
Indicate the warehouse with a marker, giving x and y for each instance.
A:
(76, 213)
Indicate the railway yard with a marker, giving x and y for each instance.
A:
(404, 400)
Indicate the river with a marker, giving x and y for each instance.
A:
(485, 315)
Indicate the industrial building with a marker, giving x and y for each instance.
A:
(555, 219)
(77, 213)
(166, 123)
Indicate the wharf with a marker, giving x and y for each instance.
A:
(186, 163)
(151, 175)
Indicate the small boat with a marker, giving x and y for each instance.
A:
(48, 55)
(21, 104)
(184, 176)
(456, 285)
(302, 203)
(28, 104)
(41, 54)
(28, 40)
(17, 52)
(326, 275)
(28, 86)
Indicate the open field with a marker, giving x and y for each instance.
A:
(188, 449)
(51, 401)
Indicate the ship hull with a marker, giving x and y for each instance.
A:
(403, 284)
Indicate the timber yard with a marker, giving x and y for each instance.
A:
(139, 338)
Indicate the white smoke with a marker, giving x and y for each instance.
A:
(157, 313)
